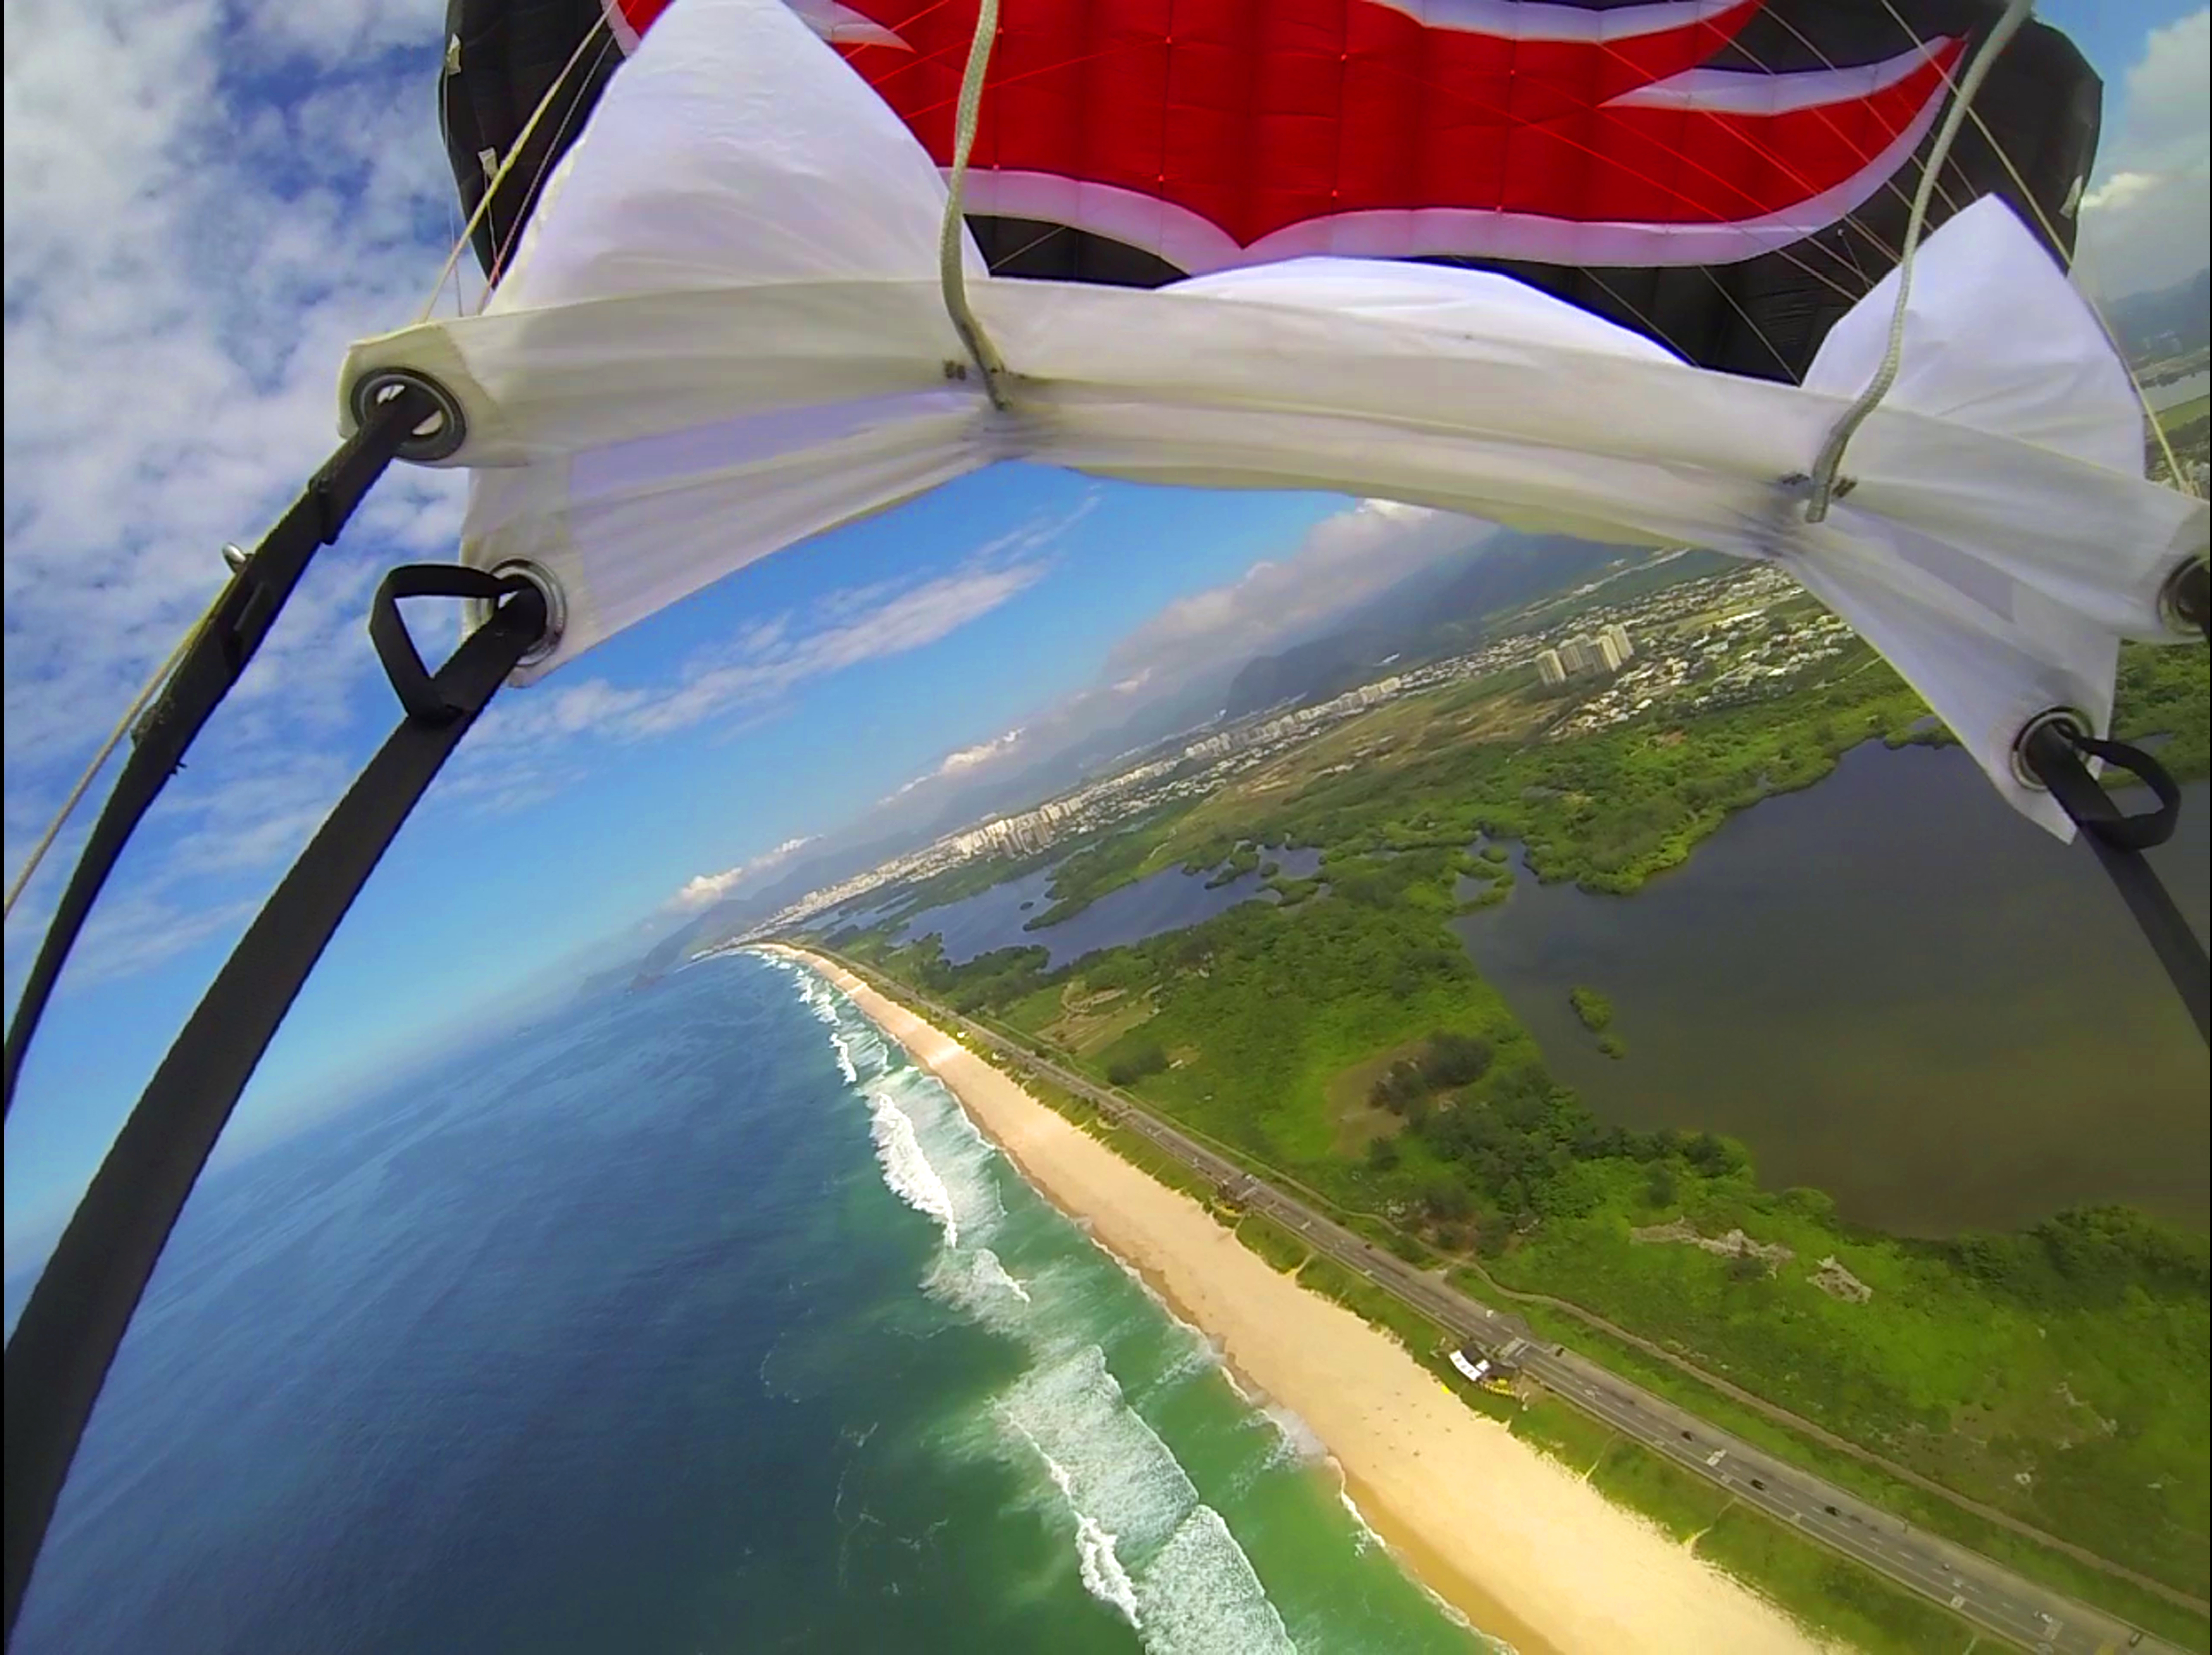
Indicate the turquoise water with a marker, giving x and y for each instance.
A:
(694, 1321)
(1193, 1520)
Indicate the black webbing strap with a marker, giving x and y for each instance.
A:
(76, 1317)
(2054, 752)
(211, 666)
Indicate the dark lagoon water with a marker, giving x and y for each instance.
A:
(693, 1322)
(1893, 988)
(1166, 901)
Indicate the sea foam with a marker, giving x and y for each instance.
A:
(906, 1169)
(1200, 1596)
(1097, 1561)
(988, 1269)
(1146, 1546)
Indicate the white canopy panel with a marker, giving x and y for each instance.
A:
(724, 333)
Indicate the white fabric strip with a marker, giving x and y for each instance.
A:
(726, 334)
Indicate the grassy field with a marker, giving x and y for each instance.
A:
(1683, 1504)
(1273, 1243)
(2183, 415)
(2054, 1568)
(2051, 1395)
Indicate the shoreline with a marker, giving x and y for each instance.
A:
(1512, 1540)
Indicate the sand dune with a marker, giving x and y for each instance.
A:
(1522, 1546)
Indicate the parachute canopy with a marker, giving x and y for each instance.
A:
(721, 328)
(1725, 176)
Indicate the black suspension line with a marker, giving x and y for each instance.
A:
(76, 1316)
(397, 424)
(2053, 750)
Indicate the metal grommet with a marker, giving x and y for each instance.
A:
(439, 437)
(2183, 596)
(2067, 720)
(556, 607)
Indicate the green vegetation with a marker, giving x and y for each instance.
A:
(1119, 859)
(2185, 423)
(2060, 1375)
(1916, 1505)
(1135, 1064)
(1683, 1504)
(1609, 810)
(1595, 1009)
(2165, 691)
(2042, 1373)
(1368, 1302)
(1829, 1592)
(2076, 1355)
(961, 879)
(1240, 861)
(1273, 1243)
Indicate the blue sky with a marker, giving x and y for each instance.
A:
(266, 186)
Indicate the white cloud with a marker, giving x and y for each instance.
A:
(766, 662)
(2147, 220)
(981, 753)
(203, 206)
(531, 746)
(1342, 561)
(961, 762)
(134, 931)
(702, 890)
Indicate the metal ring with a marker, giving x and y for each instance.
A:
(557, 608)
(2068, 720)
(2181, 609)
(440, 437)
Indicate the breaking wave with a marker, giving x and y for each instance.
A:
(1144, 1544)
(1097, 1560)
(991, 1271)
(907, 1170)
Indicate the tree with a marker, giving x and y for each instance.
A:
(1710, 1155)
(1660, 1191)
(1445, 1198)
(1455, 1059)
(1382, 1155)
(1133, 1067)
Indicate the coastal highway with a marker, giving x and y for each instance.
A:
(1990, 1598)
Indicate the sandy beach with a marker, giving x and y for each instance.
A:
(1519, 1543)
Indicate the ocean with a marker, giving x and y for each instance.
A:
(693, 1320)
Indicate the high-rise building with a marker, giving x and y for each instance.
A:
(1577, 655)
(1550, 671)
(1618, 634)
(1609, 653)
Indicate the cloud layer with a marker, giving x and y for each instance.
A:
(1342, 561)
(704, 890)
(531, 746)
(204, 204)
(2146, 221)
